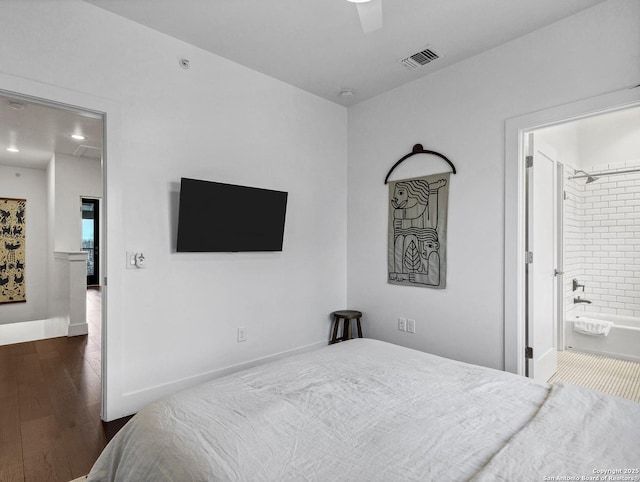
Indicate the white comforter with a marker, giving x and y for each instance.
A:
(363, 410)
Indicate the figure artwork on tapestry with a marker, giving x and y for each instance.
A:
(417, 230)
(12, 250)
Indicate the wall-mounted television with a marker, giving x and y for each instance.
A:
(217, 217)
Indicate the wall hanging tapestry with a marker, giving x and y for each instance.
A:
(12, 250)
(418, 231)
(417, 236)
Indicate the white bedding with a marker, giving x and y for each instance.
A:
(362, 410)
(577, 432)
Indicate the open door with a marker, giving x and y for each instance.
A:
(541, 263)
(91, 239)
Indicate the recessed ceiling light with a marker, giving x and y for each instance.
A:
(347, 93)
(13, 149)
(78, 137)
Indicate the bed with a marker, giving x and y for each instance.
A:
(366, 410)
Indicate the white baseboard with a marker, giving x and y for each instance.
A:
(78, 329)
(138, 399)
(24, 331)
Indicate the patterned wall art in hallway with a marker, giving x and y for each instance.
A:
(418, 231)
(12, 250)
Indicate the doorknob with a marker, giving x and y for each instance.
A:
(557, 273)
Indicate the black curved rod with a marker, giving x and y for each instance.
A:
(418, 149)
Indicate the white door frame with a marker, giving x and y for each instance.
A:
(111, 357)
(514, 210)
(560, 257)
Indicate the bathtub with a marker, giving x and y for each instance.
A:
(623, 340)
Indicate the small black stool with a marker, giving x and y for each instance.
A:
(346, 316)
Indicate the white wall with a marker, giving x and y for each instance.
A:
(29, 184)
(609, 242)
(565, 140)
(177, 319)
(72, 179)
(611, 144)
(461, 112)
(75, 178)
(53, 223)
(573, 240)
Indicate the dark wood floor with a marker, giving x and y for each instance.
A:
(50, 427)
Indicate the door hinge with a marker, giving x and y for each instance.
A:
(528, 257)
(105, 281)
(529, 160)
(528, 352)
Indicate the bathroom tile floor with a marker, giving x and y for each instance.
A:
(609, 375)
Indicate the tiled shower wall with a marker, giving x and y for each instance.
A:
(602, 241)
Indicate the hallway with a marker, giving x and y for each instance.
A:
(50, 405)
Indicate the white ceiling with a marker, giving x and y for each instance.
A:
(319, 45)
(316, 45)
(601, 139)
(39, 131)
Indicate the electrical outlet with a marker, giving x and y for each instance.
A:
(242, 334)
(402, 324)
(411, 326)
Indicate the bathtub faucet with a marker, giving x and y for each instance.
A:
(580, 300)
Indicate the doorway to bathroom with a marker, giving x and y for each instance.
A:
(517, 130)
(592, 285)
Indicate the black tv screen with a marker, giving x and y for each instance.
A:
(217, 217)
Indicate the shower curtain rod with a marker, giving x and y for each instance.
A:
(605, 173)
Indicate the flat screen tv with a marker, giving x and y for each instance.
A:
(217, 217)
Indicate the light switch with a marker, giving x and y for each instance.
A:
(136, 260)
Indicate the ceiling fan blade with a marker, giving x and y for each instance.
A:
(370, 15)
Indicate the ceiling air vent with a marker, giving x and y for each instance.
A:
(420, 59)
(88, 151)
